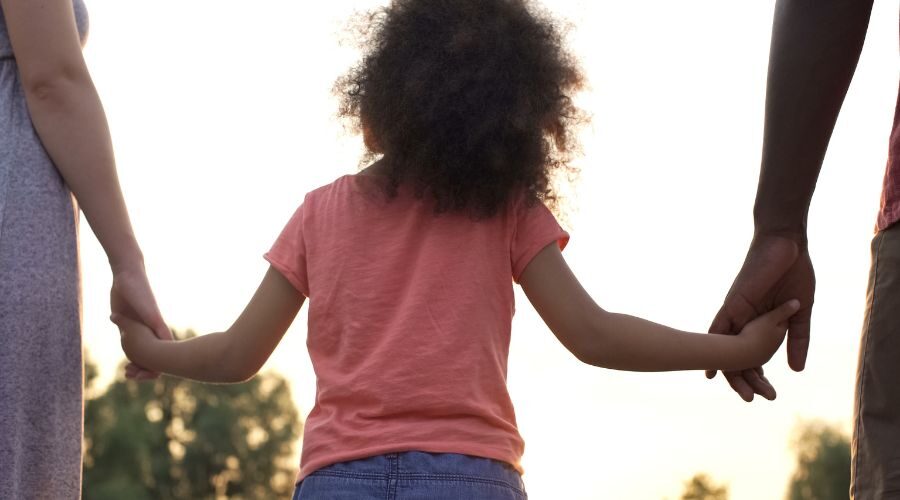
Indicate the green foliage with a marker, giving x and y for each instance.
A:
(175, 439)
(823, 464)
(90, 371)
(701, 487)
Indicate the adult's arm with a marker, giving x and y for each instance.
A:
(814, 52)
(69, 119)
(815, 48)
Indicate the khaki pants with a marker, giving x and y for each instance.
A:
(875, 470)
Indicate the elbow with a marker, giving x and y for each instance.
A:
(587, 343)
(593, 355)
(597, 343)
(54, 86)
(237, 374)
(239, 371)
(586, 356)
(582, 349)
(236, 365)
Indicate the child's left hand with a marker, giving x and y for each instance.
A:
(138, 341)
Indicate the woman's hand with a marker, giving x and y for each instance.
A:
(131, 297)
(764, 335)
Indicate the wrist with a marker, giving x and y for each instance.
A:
(736, 352)
(780, 226)
(127, 258)
(768, 233)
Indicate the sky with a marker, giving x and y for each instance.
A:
(222, 119)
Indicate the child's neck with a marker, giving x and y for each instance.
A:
(374, 170)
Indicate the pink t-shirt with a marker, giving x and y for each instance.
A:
(409, 321)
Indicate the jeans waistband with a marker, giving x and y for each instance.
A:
(422, 465)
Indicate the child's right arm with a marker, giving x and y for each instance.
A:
(622, 342)
(234, 355)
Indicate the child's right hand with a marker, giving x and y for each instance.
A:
(138, 340)
(764, 335)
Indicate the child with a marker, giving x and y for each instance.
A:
(408, 265)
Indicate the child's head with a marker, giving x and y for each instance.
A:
(468, 100)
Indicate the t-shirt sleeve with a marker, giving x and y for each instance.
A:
(534, 228)
(288, 254)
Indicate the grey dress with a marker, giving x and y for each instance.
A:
(40, 312)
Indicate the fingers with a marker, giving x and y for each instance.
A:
(132, 296)
(721, 323)
(759, 383)
(798, 339)
(783, 313)
(126, 323)
(146, 375)
(135, 372)
(746, 383)
(151, 316)
(162, 331)
(142, 375)
(740, 385)
(153, 319)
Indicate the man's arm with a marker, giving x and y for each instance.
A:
(815, 48)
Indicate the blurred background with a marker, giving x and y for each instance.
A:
(223, 118)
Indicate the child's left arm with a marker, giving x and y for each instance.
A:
(234, 355)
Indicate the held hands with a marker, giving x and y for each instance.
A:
(137, 341)
(777, 269)
(131, 297)
(763, 335)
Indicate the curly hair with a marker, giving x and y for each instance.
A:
(468, 101)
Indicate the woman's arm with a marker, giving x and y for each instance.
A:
(66, 112)
(622, 342)
(231, 356)
(69, 118)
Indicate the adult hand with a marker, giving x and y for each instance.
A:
(777, 269)
(132, 297)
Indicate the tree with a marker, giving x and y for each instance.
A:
(823, 463)
(701, 487)
(173, 439)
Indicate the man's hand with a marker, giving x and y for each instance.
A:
(777, 269)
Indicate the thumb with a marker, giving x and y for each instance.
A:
(135, 297)
(783, 312)
(148, 313)
(161, 329)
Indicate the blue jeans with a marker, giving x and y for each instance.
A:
(414, 475)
